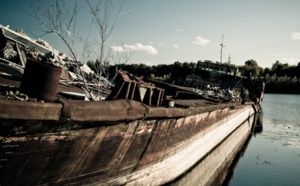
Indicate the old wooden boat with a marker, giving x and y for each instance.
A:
(113, 142)
(143, 133)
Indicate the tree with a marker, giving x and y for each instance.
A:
(120, 58)
(58, 19)
(101, 13)
(251, 68)
(61, 19)
(161, 70)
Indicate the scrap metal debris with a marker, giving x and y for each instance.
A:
(16, 95)
(16, 48)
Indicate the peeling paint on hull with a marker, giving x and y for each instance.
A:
(140, 152)
(213, 168)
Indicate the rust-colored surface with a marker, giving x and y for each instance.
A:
(40, 80)
(86, 142)
(117, 110)
(93, 152)
(110, 110)
(126, 139)
(137, 90)
(10, 109)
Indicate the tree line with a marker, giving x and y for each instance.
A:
(280, 78)
(162, 72)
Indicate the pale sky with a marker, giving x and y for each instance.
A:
(165, 31)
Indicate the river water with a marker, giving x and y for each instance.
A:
(272, 156)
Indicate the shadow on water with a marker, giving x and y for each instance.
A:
(257, 128)
(216, 168)
(258, 123)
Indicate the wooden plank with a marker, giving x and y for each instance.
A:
(11, 109)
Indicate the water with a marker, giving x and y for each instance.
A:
(273, 156)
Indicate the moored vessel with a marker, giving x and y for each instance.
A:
(142, 133)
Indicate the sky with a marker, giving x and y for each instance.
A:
(164, 31)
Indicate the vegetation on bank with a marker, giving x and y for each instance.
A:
(280, 78)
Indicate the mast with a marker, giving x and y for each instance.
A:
(221, 49)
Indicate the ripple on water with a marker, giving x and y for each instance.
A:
(273, 156)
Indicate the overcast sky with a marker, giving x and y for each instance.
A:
(165, 31)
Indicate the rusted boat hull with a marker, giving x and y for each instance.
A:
(159, 147)
(143, 133)
(218, 163)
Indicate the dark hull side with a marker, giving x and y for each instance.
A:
(148, 151)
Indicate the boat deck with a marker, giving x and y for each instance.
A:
(78, 110)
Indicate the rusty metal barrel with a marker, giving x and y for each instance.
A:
(40, 80)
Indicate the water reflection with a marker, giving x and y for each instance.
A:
(273, 156)
(282, 117)
(256, 129)
(213, 169)
(258, 123)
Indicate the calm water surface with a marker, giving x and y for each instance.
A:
(273, 156)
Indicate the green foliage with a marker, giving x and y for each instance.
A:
(163, 72)
(251, 68)
(282, 84)
(91, 64)
(181, 70)
(95, 66)
(280, 78)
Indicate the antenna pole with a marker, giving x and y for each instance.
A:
(221, 49)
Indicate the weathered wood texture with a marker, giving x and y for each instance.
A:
(23, 110)
(213, 168)
(143, 152)
(117, 110)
